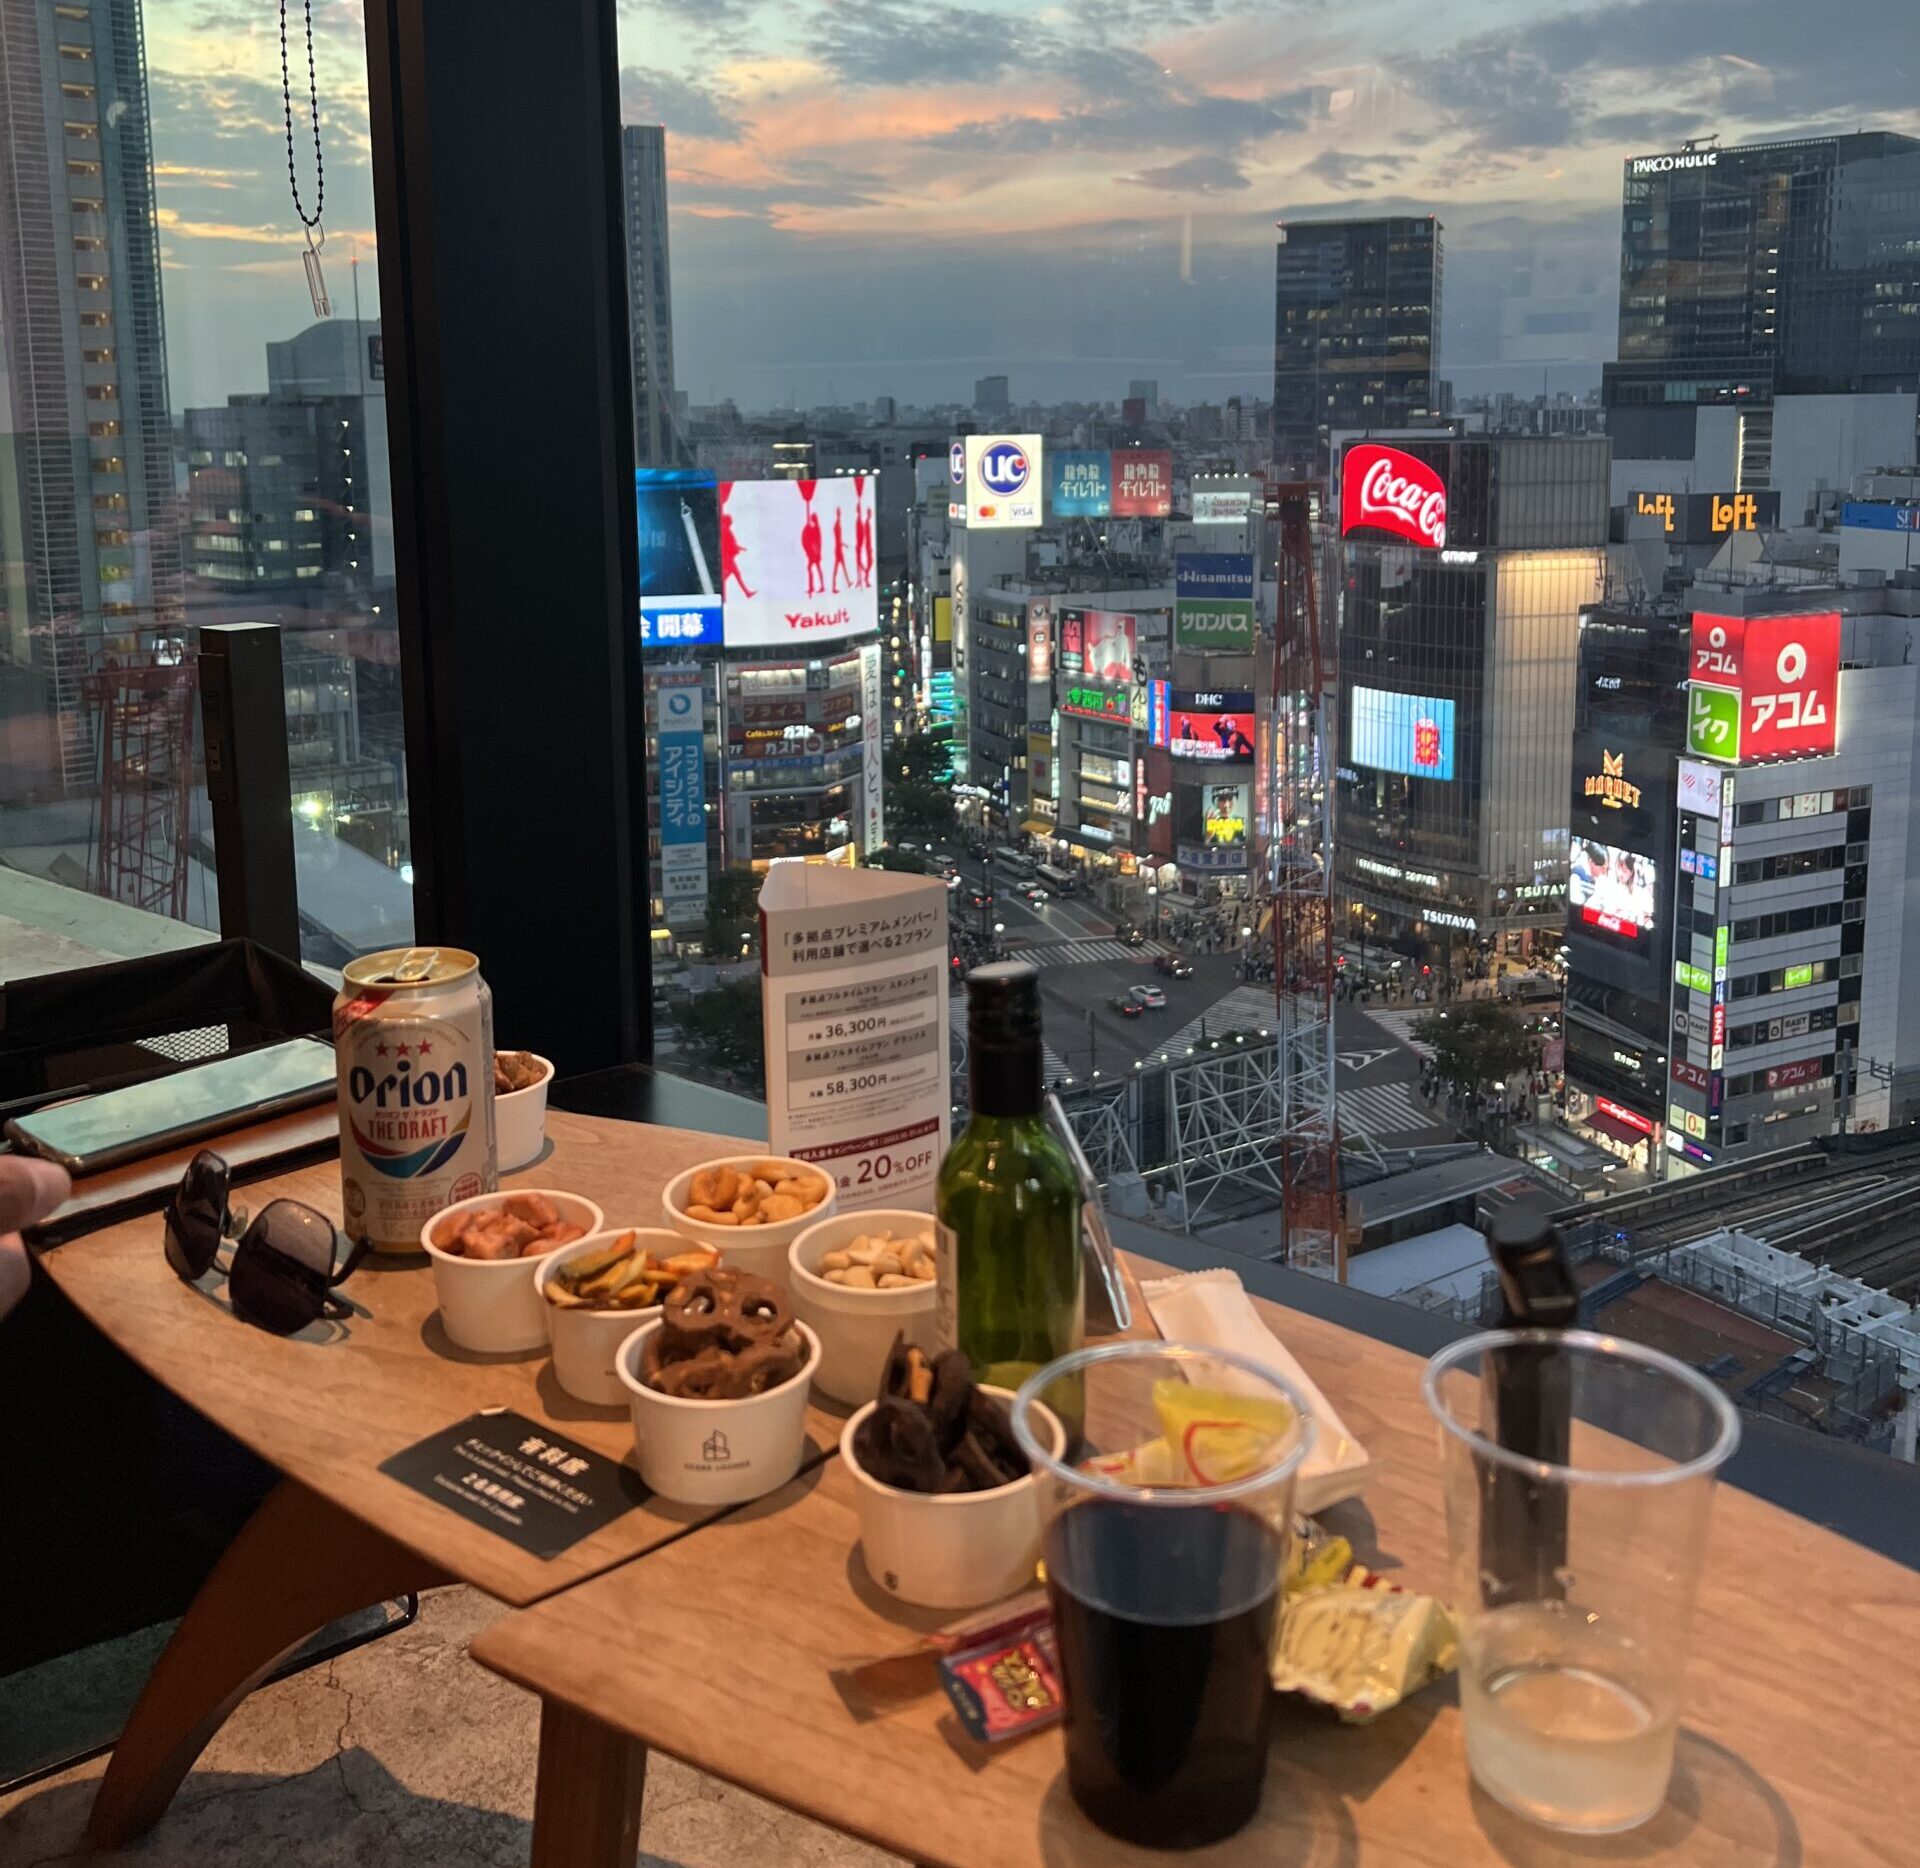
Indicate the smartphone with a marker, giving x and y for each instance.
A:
(96, 1132)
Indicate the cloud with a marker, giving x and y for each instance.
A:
(686, 106)
(1361, 170)
(902, 42)
(1196, 175)
(1179, 116)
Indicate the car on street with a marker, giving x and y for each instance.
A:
(1173, 966)
(1126, 1005)
(982, 898)
(1148, 998)
(1132, 936)
(1034, 893)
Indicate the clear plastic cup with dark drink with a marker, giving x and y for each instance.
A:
(1165, 1536)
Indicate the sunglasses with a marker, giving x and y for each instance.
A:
(282, 1274)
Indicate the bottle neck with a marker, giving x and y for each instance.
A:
(1004, 1080)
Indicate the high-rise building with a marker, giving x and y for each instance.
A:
(643, 157)
(1762, 272)
(991, 395)
(1356, 331)
(89, 547)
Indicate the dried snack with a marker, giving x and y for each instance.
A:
(877, 1261)
(723, 1335)
(932, 1430)
(761, 1193)
(623, 1276)
(523, 1225)
(516, 1070)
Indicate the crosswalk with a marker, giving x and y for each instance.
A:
(1398, 1026)
(1087, 953)
(1378, 1110)
(1246, 1009)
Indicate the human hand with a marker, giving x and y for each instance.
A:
(29, 1191)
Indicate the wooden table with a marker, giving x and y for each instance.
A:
(718, 1649)
(325, 1408)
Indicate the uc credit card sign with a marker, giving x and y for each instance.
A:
(1006, 481)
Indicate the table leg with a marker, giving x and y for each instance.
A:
(586, 1802)
(297, 1564)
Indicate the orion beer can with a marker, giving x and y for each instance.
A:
(413, 1040)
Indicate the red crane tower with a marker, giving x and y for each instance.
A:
(1300, 877)
(143, 720)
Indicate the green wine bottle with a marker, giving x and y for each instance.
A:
(1009, 1202)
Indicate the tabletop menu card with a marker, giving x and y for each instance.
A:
(854, 997)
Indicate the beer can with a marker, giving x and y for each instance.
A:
(413, 1042)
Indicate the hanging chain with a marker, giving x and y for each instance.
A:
(313, 99)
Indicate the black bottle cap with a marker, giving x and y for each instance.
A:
(1003, 1039)
(1535, 1279)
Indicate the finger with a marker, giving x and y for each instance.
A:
(15, 1274)
(29, 1190)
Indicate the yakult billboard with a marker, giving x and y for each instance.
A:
(797, 560)
(1382, 489)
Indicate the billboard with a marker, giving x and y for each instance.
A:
(797, 561)
(1225, 823)
(1614, 890)
(873, 753)
(1097, 703)
(1040, 640)
(1142, 483)
(1699, 518)
(1211, 724)
(1384, 490)
(681, 739)
(1081, 484)
(1097, 644)
(1213, 601)
(1764, 687)
(1222, 502)
(677, 516)
(1407, 733)
(1159, 713)
(1699, 788)
(1004, 481)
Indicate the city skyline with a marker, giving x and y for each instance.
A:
(873, 171)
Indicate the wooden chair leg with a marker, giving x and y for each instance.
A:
(297, 1564)
(586, 1801)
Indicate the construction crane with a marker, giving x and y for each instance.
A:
(142, 703)
(1300, 881)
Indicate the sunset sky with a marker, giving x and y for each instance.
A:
(895, 196)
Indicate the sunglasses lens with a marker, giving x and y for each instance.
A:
(282, 1268)
(195, 1215)
(298, 1233)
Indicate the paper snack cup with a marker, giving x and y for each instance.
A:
(490, 1305)
(957, 1550)
(759, 1249)
(587, 1342)
(716, 1452)
(520, 1121)
(857, 1327)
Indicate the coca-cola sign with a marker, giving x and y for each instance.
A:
(1385, 489)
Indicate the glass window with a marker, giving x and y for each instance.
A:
(153, 276)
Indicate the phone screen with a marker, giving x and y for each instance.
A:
(98, 1131)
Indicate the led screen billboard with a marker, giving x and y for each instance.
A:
(1004, 481)
(1080, 483)
(1097, 644)
(677, 513)
(1142, 483)
(1407, 733)
(1613, 890)
(797, 560)
(1384, 490)
(1211, 724)
(1764, 687)
(1225, 823)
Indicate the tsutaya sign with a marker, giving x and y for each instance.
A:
(1384, 489)
(1680, 159)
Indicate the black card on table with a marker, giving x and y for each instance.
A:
(514, 1477)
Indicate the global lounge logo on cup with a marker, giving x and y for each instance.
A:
(1385, 488)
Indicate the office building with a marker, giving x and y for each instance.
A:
(1761, 272)
(1356, 331)
(643, 161)
(990, 395)
(1457, 662)
(88, 527)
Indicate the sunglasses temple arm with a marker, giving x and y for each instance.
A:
(356, 1254)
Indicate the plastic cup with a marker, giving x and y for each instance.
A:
(1164, 1594)
(1576, 1552)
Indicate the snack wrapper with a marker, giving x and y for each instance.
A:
(1006, 1686)
(1362, 1645)
(1207, 1437)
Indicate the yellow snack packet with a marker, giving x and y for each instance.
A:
(1214, 1436)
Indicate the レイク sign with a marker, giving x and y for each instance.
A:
(1764, 687)
(1381, 487)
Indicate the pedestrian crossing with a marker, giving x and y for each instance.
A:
(1381, 1109)
(1398, 1026)
(1087, 953)
(1246, 1009)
